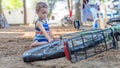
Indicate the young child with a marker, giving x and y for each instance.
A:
(42, 31)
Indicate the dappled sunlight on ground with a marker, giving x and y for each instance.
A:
(17, 32)
(28, 35)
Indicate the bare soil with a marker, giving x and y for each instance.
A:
(16, 40)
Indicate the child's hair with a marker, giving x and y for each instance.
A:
(40, 5)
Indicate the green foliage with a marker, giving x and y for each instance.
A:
(49, 14)
(103, 1)
(12, 4)
(94, 0)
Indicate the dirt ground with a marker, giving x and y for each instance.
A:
(16, 40)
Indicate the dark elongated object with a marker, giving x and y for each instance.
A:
(43, 52)
(56, 49)
(113, 20)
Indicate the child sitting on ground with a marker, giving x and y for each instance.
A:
(42, 31)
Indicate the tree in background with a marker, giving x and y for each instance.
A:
(12, 4)
(77, 10)
(25, 12)
(3, 22)
(51, 4)
(0, 7)
(69, 5)
(9, 5)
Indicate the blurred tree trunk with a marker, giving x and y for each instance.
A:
(0, 7)
(68, 5)
(3, 21)
(1, 16)
(77, 11)
(25, 12)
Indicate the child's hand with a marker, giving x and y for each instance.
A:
(50, 40)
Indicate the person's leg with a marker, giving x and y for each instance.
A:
(36, 43)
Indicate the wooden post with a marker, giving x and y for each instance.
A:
(0, 7)
(25, 12)
(77, 11)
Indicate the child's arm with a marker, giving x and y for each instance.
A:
(51, 33)
(44, 32)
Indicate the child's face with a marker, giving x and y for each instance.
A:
(42, 14)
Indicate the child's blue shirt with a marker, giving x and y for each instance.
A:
(39, 36)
